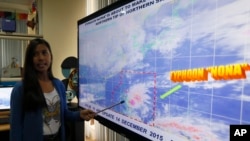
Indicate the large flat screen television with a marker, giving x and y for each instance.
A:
(181, 66)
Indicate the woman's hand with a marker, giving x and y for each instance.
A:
(87, 114)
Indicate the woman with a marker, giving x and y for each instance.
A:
(38, 103)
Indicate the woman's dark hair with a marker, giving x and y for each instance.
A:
(33, 97)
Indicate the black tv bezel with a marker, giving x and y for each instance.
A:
(107, 123)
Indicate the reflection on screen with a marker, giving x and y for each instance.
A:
(5, 93)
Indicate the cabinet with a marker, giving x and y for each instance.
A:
(4, 128)
(13, 43)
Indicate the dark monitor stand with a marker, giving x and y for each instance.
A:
(74, 130)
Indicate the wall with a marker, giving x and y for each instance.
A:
(59, 27)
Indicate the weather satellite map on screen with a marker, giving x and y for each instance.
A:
(181, 66)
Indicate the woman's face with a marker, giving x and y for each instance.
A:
(42, 58)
